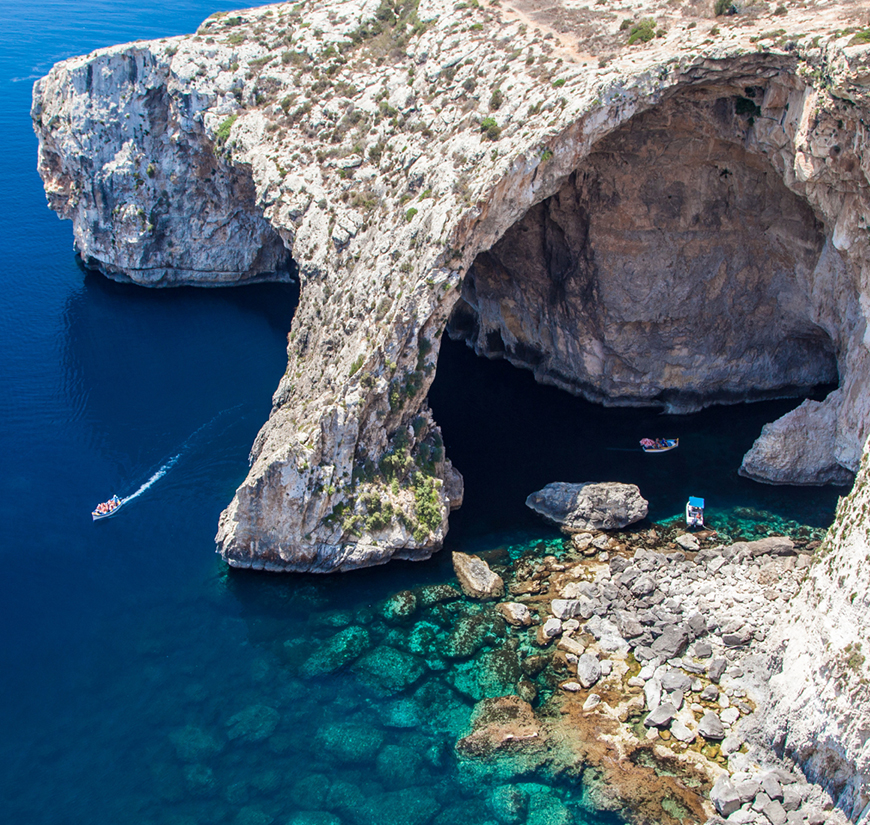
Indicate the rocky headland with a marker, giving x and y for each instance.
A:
(643, 206)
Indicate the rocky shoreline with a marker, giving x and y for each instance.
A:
(656, 639)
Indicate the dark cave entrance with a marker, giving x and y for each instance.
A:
(674, 269)
(672, 272)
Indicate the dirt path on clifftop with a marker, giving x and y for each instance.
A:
(530, 13)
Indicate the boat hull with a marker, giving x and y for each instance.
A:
(671, 445)
(98, 516)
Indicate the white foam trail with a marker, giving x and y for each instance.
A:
(171, 463)
(158, 475)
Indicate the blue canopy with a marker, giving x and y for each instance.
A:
(694, 501)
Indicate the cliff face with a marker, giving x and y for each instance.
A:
(682, 225)
(819, 712)
(124, 155)
(673, 267)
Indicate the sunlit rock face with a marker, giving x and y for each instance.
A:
(672, 268)
(123, 154)
(678, 224)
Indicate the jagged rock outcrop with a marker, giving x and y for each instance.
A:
(798, 448)
(124, 155)
(400, 153)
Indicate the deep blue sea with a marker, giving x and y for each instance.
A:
(140, 680)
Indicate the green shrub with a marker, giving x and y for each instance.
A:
(546, 155)
(860, 38)
(625, 25)
(642, 32)
(490, 128)
(223, 131)
(559, 83)
(496, 99)
(427, 504)
(724, 7)
(355, 366)
(780, 10)
(151, 171)
(409, 215)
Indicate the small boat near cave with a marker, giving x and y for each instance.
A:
(107, 508)
(659, 445)
(695, 512)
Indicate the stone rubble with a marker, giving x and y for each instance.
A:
(680, 632)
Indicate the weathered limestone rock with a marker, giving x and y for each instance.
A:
(724, 796)
(799, 448)
(591, 505)
(710, 726)
(475, 577)
(515, 614)
(820, 700)
(588, 670)
(506, 723)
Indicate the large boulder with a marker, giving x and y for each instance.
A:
(475, 577)
(800, 448)
(604, 505)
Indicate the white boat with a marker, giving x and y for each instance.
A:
(695, 512)
(107, 508)
(659, 445)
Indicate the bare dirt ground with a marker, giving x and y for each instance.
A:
(587, 31)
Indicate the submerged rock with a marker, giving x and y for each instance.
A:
(313, 818)
(400, 607)
(494, 673)
(606, 505)
(387, 671)
(506, 723)
(350, 742)
(253, 724)
(193, 743)
(509, 804)
(399, 767)
(475, 577)
(336, 652)
(468, 636)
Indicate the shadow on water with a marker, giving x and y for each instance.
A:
(510, 436)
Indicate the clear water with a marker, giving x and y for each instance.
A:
(141, 681)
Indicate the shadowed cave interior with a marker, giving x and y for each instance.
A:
(674, 269)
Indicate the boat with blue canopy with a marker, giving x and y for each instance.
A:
(695, 512)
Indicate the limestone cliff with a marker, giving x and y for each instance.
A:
(819, 712)
(679, 222)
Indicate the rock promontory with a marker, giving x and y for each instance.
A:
(677, 221)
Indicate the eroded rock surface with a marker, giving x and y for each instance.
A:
(604, 505)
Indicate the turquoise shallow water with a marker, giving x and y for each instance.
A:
(144, 682)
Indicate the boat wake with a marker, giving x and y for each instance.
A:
(168, 465)
(153, 480)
